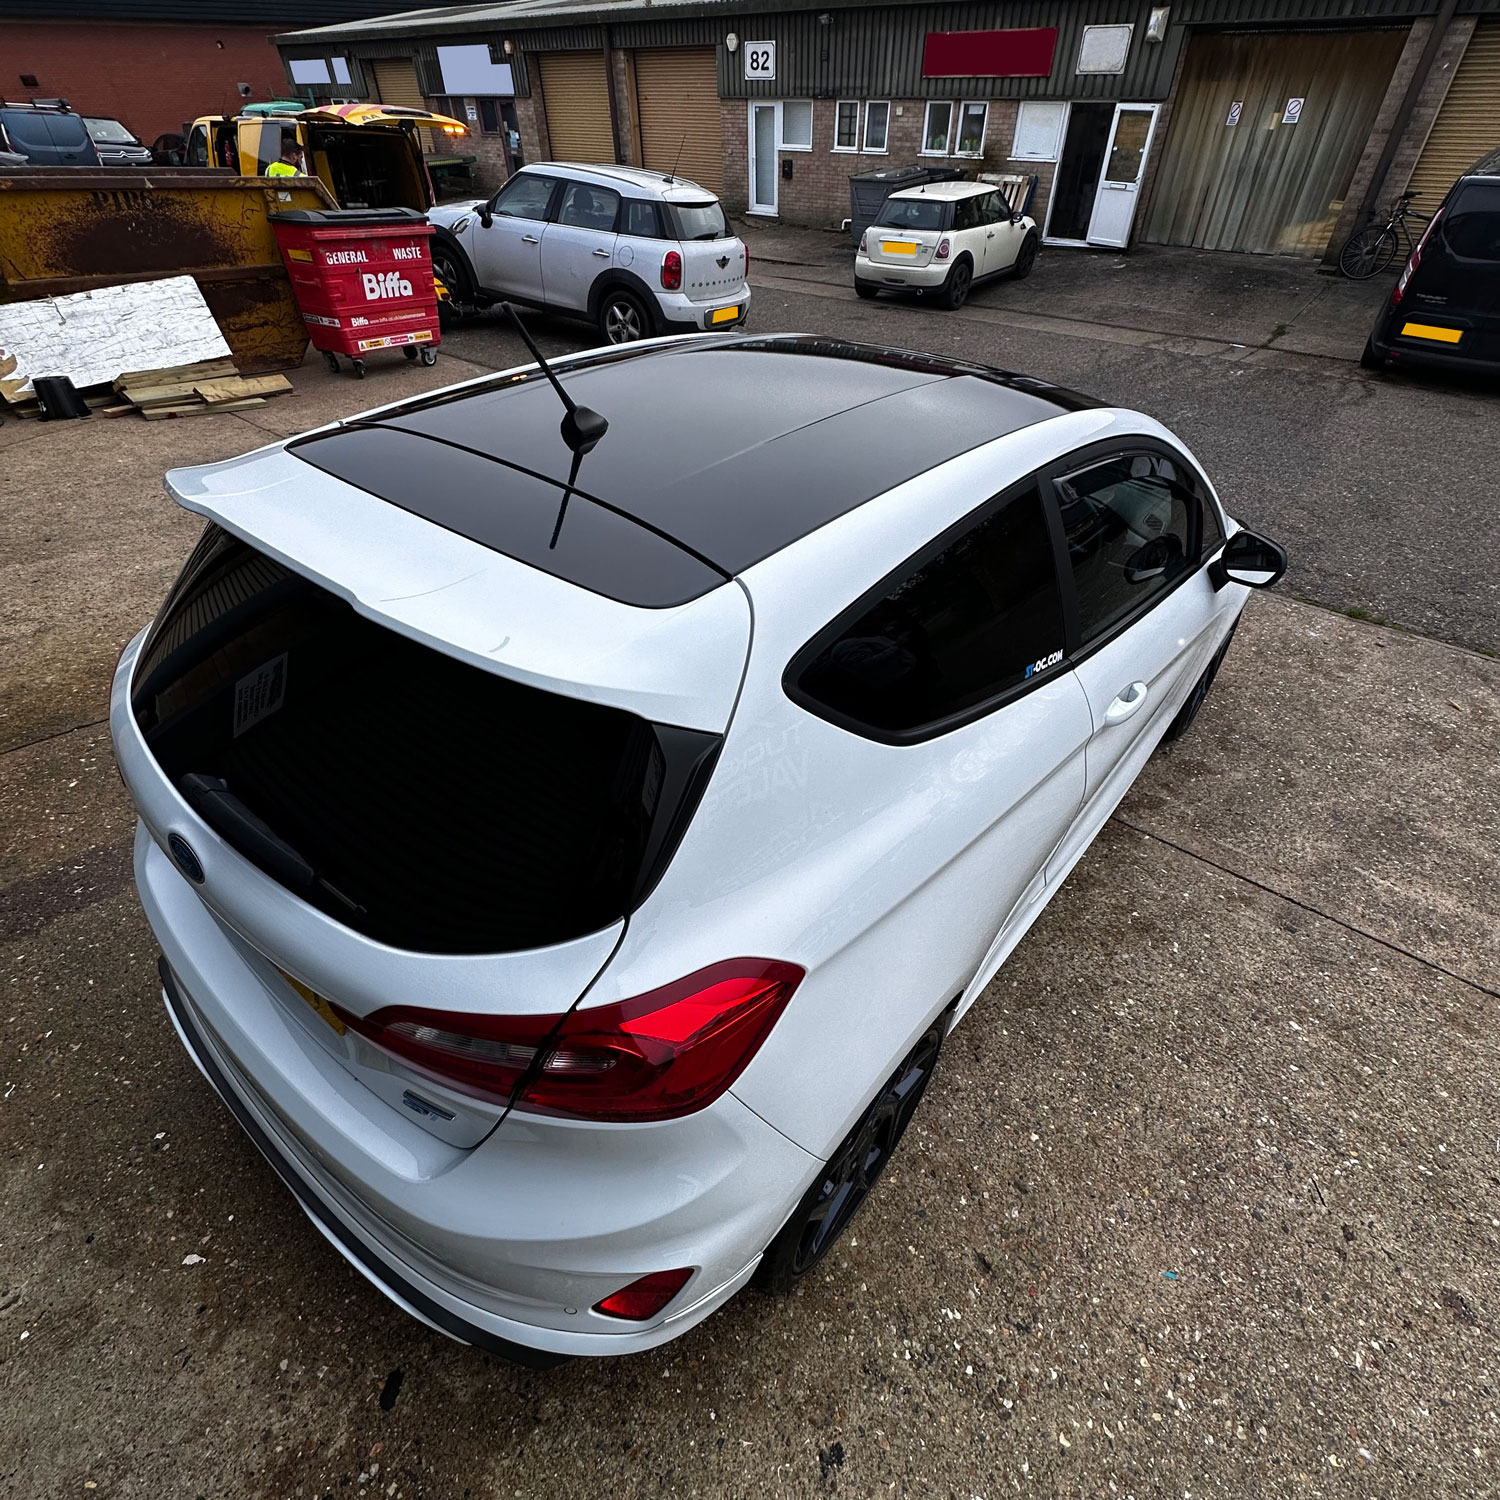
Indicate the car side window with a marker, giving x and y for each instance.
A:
(966, 213)
(955, 629)
(641, 219)
(996, 209)
(585, 206)
(1133, 529)
(524, 197)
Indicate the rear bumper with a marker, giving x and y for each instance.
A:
(1408, 352)
(681, 315)
(913, 278)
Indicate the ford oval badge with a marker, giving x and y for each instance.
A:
(187, 861)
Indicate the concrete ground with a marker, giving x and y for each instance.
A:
(1205, 1198)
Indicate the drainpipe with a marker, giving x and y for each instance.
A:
(1440, 24)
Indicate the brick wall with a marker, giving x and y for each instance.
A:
(818, 193)
(622, 84)
(154, 77)
(1429, 102)
(531, 117)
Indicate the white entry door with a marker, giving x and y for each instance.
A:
(1120, 182)
(765, 131)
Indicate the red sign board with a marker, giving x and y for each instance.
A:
(1024, 53)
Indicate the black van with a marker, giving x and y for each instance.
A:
(1445, 309)
(47, 133)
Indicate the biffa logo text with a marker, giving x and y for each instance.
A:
(385, 284)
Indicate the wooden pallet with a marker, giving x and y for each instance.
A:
(192, 390)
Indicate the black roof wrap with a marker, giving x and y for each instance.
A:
(719, 453)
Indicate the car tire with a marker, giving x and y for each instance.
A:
(1195, 699)
(623, 318)
(850, 1174)
(450, 267)
(955, 289)
(1370, 358)
(1025, 258)
(865, 289)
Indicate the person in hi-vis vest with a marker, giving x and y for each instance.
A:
(291, 163)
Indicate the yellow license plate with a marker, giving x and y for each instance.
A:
(725, 315)
(318, 1003)
(1431, 331)
(898, 247)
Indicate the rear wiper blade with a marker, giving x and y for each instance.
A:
(211, 799)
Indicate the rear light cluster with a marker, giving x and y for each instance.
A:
(864, 243)
(646, 1297)
(941, 253)
(1399, 290)
(658, 1056)
(671, 271)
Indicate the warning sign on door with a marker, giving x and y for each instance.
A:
(1293, 111)
(1234, 112)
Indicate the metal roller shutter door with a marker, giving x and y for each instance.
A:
(396, 82)
(677, 97)
(1468, 124)
(575, 91)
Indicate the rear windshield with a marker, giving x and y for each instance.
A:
(429, 804)
(911, 213)
(112, 131)
(41, 129)
(1471, 227)
(700, 221)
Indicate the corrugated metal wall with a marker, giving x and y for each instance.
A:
(682, 125)
(1263, 184)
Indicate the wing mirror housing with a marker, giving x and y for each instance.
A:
(1255, 561)
(486, 218)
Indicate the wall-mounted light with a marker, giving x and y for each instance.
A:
(824, 19)
(510, 47)
(1156, 27)
(732, 42)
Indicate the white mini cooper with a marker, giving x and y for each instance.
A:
(939, 240)
(570, 843)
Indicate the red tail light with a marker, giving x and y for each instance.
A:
(645, 1298)
(661, 1055)
(1399, 290)
(671, 271)
(864, 243)
(941, 253)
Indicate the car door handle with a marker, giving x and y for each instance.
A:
(604, 253)
(531, 239)
(990, 235)
(1129, 700)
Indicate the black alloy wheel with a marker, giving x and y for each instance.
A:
(1025, 258)
(956, 287)
(851, 1172)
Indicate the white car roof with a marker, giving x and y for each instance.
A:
(947, 191)
(658, 184)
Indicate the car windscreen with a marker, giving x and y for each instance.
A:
(1471, 225)
(111, 131)
(429, 804)
(911, 213)
(700, 221)
(44, 130)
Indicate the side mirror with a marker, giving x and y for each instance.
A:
(486, 218)
(1255, 561)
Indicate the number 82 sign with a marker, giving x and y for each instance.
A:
(760, 61)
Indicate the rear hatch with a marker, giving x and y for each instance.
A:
(1449, 300)
(713, 260)
(49, 138)
(906, 232)
(418, 772)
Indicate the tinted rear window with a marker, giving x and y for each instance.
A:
(1471, 227)
(911, 213)
(700, 221)
(429, 804)
(955, 631)
(42, 130)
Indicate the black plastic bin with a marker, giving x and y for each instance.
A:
(869, 190)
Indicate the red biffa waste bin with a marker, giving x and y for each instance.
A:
(363, 281)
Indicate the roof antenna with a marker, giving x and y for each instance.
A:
(581, 428)
(671, 176)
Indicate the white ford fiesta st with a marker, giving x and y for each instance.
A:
(571, 831)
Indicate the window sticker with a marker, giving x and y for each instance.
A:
(259, 695)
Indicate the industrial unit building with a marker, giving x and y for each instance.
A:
(1255, 125)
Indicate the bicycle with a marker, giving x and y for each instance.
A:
(1370, 250)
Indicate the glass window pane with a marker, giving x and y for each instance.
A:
(1471, 227)
(587, 207)
(1038, 130)
(939, 123)
(524, 198)
(1129, 146)
(489, 116)
(971, 129)
(641, 220)
(877, 122)
(911, 213)
(846, 132)
(1131, 526)
(958, 630)
(796, 124)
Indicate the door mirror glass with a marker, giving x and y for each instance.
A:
(1153, 559)
(1255, 561)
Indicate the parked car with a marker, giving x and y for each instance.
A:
(940, 239)
(1444, 311)
(636, 253)
(575, 952)
(47, 133)
(117, 146)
